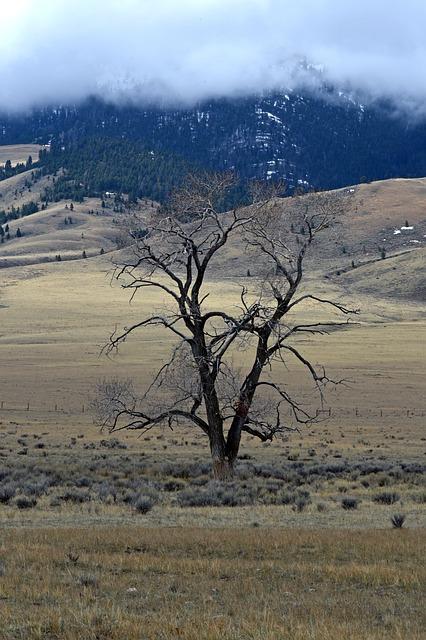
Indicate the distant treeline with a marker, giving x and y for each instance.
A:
(8, 170)
(99, 165)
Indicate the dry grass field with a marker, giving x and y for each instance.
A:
(18, 153)
(124, 537)
(199, 584)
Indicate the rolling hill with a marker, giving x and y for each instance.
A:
(387, 219)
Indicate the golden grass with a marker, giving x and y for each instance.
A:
(388, 203)
(45, 234)
(327, 576)
(55, 318)
(260, 584)
(17, 153)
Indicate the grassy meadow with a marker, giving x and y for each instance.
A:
(18, 153)
(204, 584)
(125, 537)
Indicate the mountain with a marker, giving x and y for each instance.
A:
(327, 140)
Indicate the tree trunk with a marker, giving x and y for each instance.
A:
(234, 438)
(223, 469)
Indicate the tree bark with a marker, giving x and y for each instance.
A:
(234, 437)
(223, 469)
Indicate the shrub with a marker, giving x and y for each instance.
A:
(299, 499)
(36, 488)
(88, 580)
(217, 495)
(7, 492)
(173, 485)
(286, 497)
(83, 482)
(107, 492)
(75, 496)
(113, 443)
(386, 497)
(384, 480)
(23, 502)
(398, 520)
(350, 503)
(420, 498)
(300, 503)
(143, 504)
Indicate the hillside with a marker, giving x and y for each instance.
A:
(50, 233)
(385, 219)
(22, 189)
(401, 277)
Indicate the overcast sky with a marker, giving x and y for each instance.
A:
(187, 50)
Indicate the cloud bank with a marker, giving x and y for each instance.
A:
(183, 51)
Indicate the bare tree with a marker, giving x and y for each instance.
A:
(199, 385)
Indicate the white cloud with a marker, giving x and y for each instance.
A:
(186, 50)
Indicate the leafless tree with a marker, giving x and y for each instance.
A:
(199, 385)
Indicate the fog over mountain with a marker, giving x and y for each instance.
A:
(183, 51)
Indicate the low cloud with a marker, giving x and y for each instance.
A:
(183, 51)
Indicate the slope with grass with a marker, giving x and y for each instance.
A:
(60, 231)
